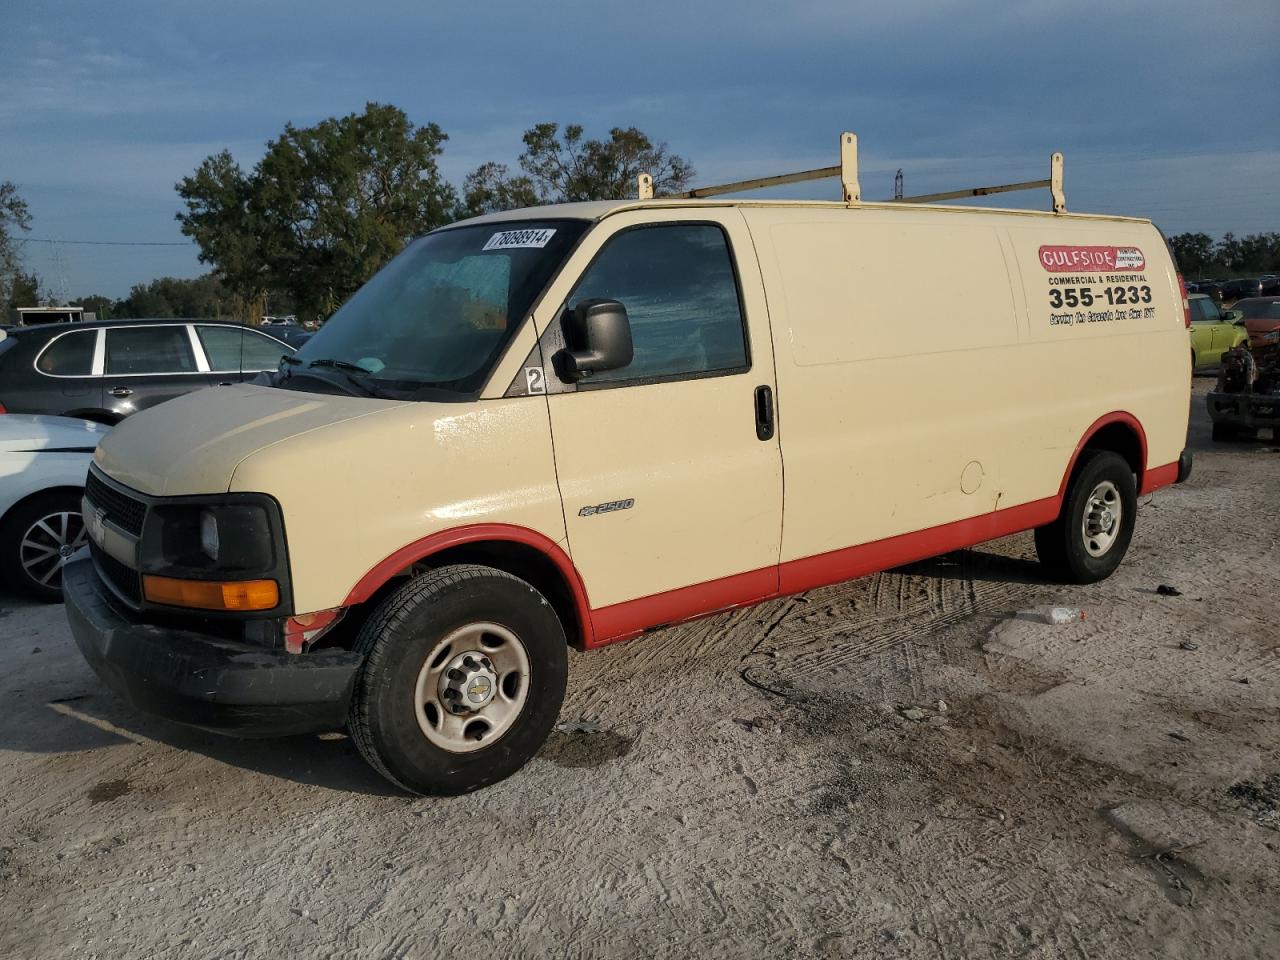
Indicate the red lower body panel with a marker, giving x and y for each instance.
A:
(622, 621)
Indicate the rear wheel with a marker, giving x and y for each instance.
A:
(37, 538)
(1089, 539)
(463, 676)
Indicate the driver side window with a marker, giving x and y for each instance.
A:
(678, 285)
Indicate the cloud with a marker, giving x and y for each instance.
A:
(1160, 107)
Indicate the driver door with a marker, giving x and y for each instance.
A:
(669, 468)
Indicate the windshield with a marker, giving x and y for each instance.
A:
(438, 315)
(1259, 309)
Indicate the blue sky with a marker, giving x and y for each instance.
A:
(1168, 110)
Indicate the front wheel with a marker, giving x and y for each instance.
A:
(1089, 539)
(464, 673)
(36, 538)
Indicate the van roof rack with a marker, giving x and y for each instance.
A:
(847, 171)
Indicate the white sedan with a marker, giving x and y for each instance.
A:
(43, 464)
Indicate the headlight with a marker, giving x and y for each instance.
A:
(215, 553)
(209, 534)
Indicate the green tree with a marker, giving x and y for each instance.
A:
(103, 308)
(14, 215)
(1193, 252)
(203, 297)
(323, 210)
(490, 189)
(560, 166)
(23, 291)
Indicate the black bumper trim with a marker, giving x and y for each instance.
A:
(201, 680)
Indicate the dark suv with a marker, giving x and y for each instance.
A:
(1240, 289)
(107, 370)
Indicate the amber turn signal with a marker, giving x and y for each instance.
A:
(212, 594)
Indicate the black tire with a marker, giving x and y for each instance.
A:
(42, 578)
(1061, 546)
(397, 639)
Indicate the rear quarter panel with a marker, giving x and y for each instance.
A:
(1110, 357)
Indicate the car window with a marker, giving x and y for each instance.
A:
(70, 355)
(229, 348)
(678, 285)
(149, 350)
(1259, 309)
(1204, 310)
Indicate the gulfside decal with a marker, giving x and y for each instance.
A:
(1089, 284)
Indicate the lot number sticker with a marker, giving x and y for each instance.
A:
(516, 239)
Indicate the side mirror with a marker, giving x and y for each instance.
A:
(1233, 316)
(598, 338)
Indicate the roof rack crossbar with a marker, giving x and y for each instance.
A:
(847, 171)
(759, 183)
(1053, 183)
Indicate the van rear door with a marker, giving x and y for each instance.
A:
(669, 468)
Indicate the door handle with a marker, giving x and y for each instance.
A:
(764, 412)
(121, 392)
(225, 383)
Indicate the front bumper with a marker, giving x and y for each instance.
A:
(1244, 409)
(201, 680)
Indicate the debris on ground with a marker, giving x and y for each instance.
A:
(1167, 591)
(1056, 616)
(1261, 798)
(579, 726)
(1189, 645)
(765, 725)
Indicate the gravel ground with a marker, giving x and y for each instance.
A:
(895, 767)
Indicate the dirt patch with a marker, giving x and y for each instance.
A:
(584, 748)
(1261, 798)
(107, 790)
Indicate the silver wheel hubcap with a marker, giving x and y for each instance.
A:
(472, 687)
(48, 544)
(1102, 515)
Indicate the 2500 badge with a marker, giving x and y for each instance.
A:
(1060, 297)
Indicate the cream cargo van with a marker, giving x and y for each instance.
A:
(572, 424)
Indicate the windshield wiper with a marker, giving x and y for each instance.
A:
(346, 368)
(340, 364)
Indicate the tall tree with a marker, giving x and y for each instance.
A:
(14, 215)
(561, 166)
(324, 208)
(1194, 253)
(23, 291)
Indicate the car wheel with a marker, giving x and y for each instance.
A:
(1089, 539)
(36, 539)
(463, 676)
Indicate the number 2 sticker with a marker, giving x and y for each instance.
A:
(534, 380)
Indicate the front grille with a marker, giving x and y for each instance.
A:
(124, 578)
(121, 509)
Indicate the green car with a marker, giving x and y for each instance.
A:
(1213, 332)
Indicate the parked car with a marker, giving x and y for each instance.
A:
(1240, 289)
(560, 426)
(1270, 285)
(1212, 333)
(106, 370)
(1261, 318)
(43, 464)
(1210, 288)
